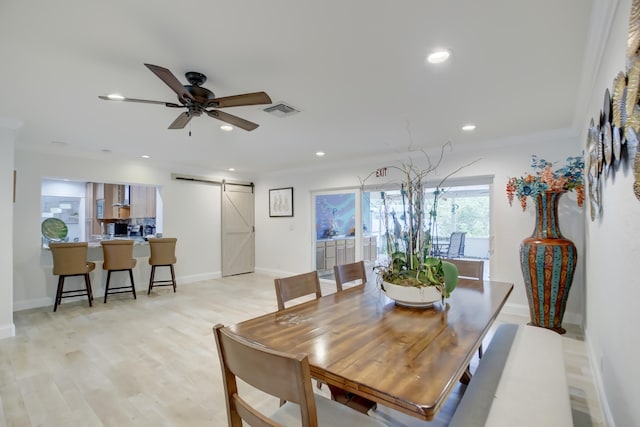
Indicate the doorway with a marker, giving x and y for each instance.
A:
(336, 235)
(461, 208)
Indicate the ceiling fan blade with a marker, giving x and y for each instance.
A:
(171, 81)
(144, 101)
(232, 120)
(254, 98)
(181, 121)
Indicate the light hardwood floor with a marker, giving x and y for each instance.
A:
(153, 361)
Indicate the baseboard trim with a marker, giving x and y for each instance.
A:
(597, 382)
(198, 277)
(523, 310)
(32, 303)
(7, 331)
(140, 287)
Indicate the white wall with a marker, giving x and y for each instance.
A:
(284, 245)
(613, 247)
(191, 212)
(7, 134)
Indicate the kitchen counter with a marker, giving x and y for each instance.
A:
(137, 240)
(340, 237)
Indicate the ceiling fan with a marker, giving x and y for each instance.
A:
(197, 99)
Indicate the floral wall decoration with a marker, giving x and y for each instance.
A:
(612, 139)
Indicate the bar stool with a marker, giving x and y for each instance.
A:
(118, 256)
(163, 254)
(70, 259)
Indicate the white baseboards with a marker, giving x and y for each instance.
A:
(7, 331)
(32, 303)
(597, 382)
(523, 310)
(99, 293)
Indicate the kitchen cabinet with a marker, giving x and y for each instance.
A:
(142, 201)
(370, 248)
(320, 256)
(334, 252)
(105, 197)
(340, 248)
(329, 254)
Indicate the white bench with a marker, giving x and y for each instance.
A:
(520, 381)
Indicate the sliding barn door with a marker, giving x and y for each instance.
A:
(238, 231)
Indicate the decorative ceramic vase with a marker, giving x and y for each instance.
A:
(411, 296)
(548, 262)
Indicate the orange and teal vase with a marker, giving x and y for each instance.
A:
(548, 262)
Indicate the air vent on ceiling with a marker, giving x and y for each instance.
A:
(281, 109)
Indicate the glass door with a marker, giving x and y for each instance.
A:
(337, 230)
(462, 209)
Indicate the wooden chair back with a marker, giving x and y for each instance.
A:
(352, 272)
(293, 287)
(282, 375)
(469, 268)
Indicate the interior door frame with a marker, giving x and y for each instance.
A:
(358, 220)
(250, 226)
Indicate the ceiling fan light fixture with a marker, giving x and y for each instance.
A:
(115, 97)
(438, 56)
(226, 128)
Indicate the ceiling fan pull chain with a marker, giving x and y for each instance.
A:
(189, 128)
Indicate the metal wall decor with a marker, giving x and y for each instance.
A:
(612, 140)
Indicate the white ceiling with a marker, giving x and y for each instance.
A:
(354, 67)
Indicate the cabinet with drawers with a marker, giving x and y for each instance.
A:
(370, 248)
(334, 252)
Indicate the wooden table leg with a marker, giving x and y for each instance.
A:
(466, 376)
(351, 400)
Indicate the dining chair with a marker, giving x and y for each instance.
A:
(70, 259)
(469, 269)
(162, 254)
(118, 256)
(282, 375)
(293, 287)
(347, 273)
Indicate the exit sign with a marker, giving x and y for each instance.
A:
(381, 172)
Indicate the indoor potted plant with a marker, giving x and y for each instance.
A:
(412, 276)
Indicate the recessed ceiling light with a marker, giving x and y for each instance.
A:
(468, 128)
(226, 128)
(319, 153)
(145, 156)
(105, 150)
(231, 169)
(438, 56)
(115, 97)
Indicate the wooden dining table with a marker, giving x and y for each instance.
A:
(360, 341)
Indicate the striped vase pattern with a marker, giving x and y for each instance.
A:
(548, 262)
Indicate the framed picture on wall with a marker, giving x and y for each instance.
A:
(281, 202)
